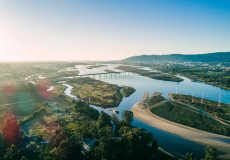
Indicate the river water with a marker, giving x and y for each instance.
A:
(142, 84)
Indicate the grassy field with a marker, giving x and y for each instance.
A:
(182, 114)
(159, 76)
(97, 92)
(211, 107)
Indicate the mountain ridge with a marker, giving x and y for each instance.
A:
(207, 57)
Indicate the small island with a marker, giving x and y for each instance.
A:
(98, 92)
(153, 75)
(96, 66)
(110, 71)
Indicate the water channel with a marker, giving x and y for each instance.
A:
(142, 84)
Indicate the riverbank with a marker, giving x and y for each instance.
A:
(215, 77)
(142, 113)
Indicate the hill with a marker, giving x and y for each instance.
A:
(208, 57)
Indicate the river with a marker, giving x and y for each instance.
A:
(142, 84)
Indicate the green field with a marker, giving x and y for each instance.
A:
(182, 114)
(222, 112)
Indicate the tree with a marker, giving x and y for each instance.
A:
(10, 129)
(23, 158)
(1, 146)
(11, 153)
(63, 151)
(84, 109)
(210, 153)
(127, 116)
(31, 151)
(136, 142)
(190, 156)
(104, 120)
(154, 145)
(64, 146)
(106, 132)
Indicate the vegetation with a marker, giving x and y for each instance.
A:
(209, 73)
(22, 98)
(127, 91)
(210, 154)
(127, 116)
(216, 77)
(165, 77)
(153, 75)
(84, 109)
(97, 92)
(133, 144)
(96, 66)
(109, 71)
(83, 124)
(185, 115)
(40, 124)
(212, 107)
(208, 57)
(154, 99)
(32, 116)
(32, 71)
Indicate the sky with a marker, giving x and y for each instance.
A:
(76, 30)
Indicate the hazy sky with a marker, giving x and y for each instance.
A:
(111, 29)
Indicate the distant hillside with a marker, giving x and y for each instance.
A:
(209, 57)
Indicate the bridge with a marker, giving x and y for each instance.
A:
(115, 74)
(119, 72)
(111, 74)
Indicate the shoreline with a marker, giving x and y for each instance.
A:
(142, 113)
